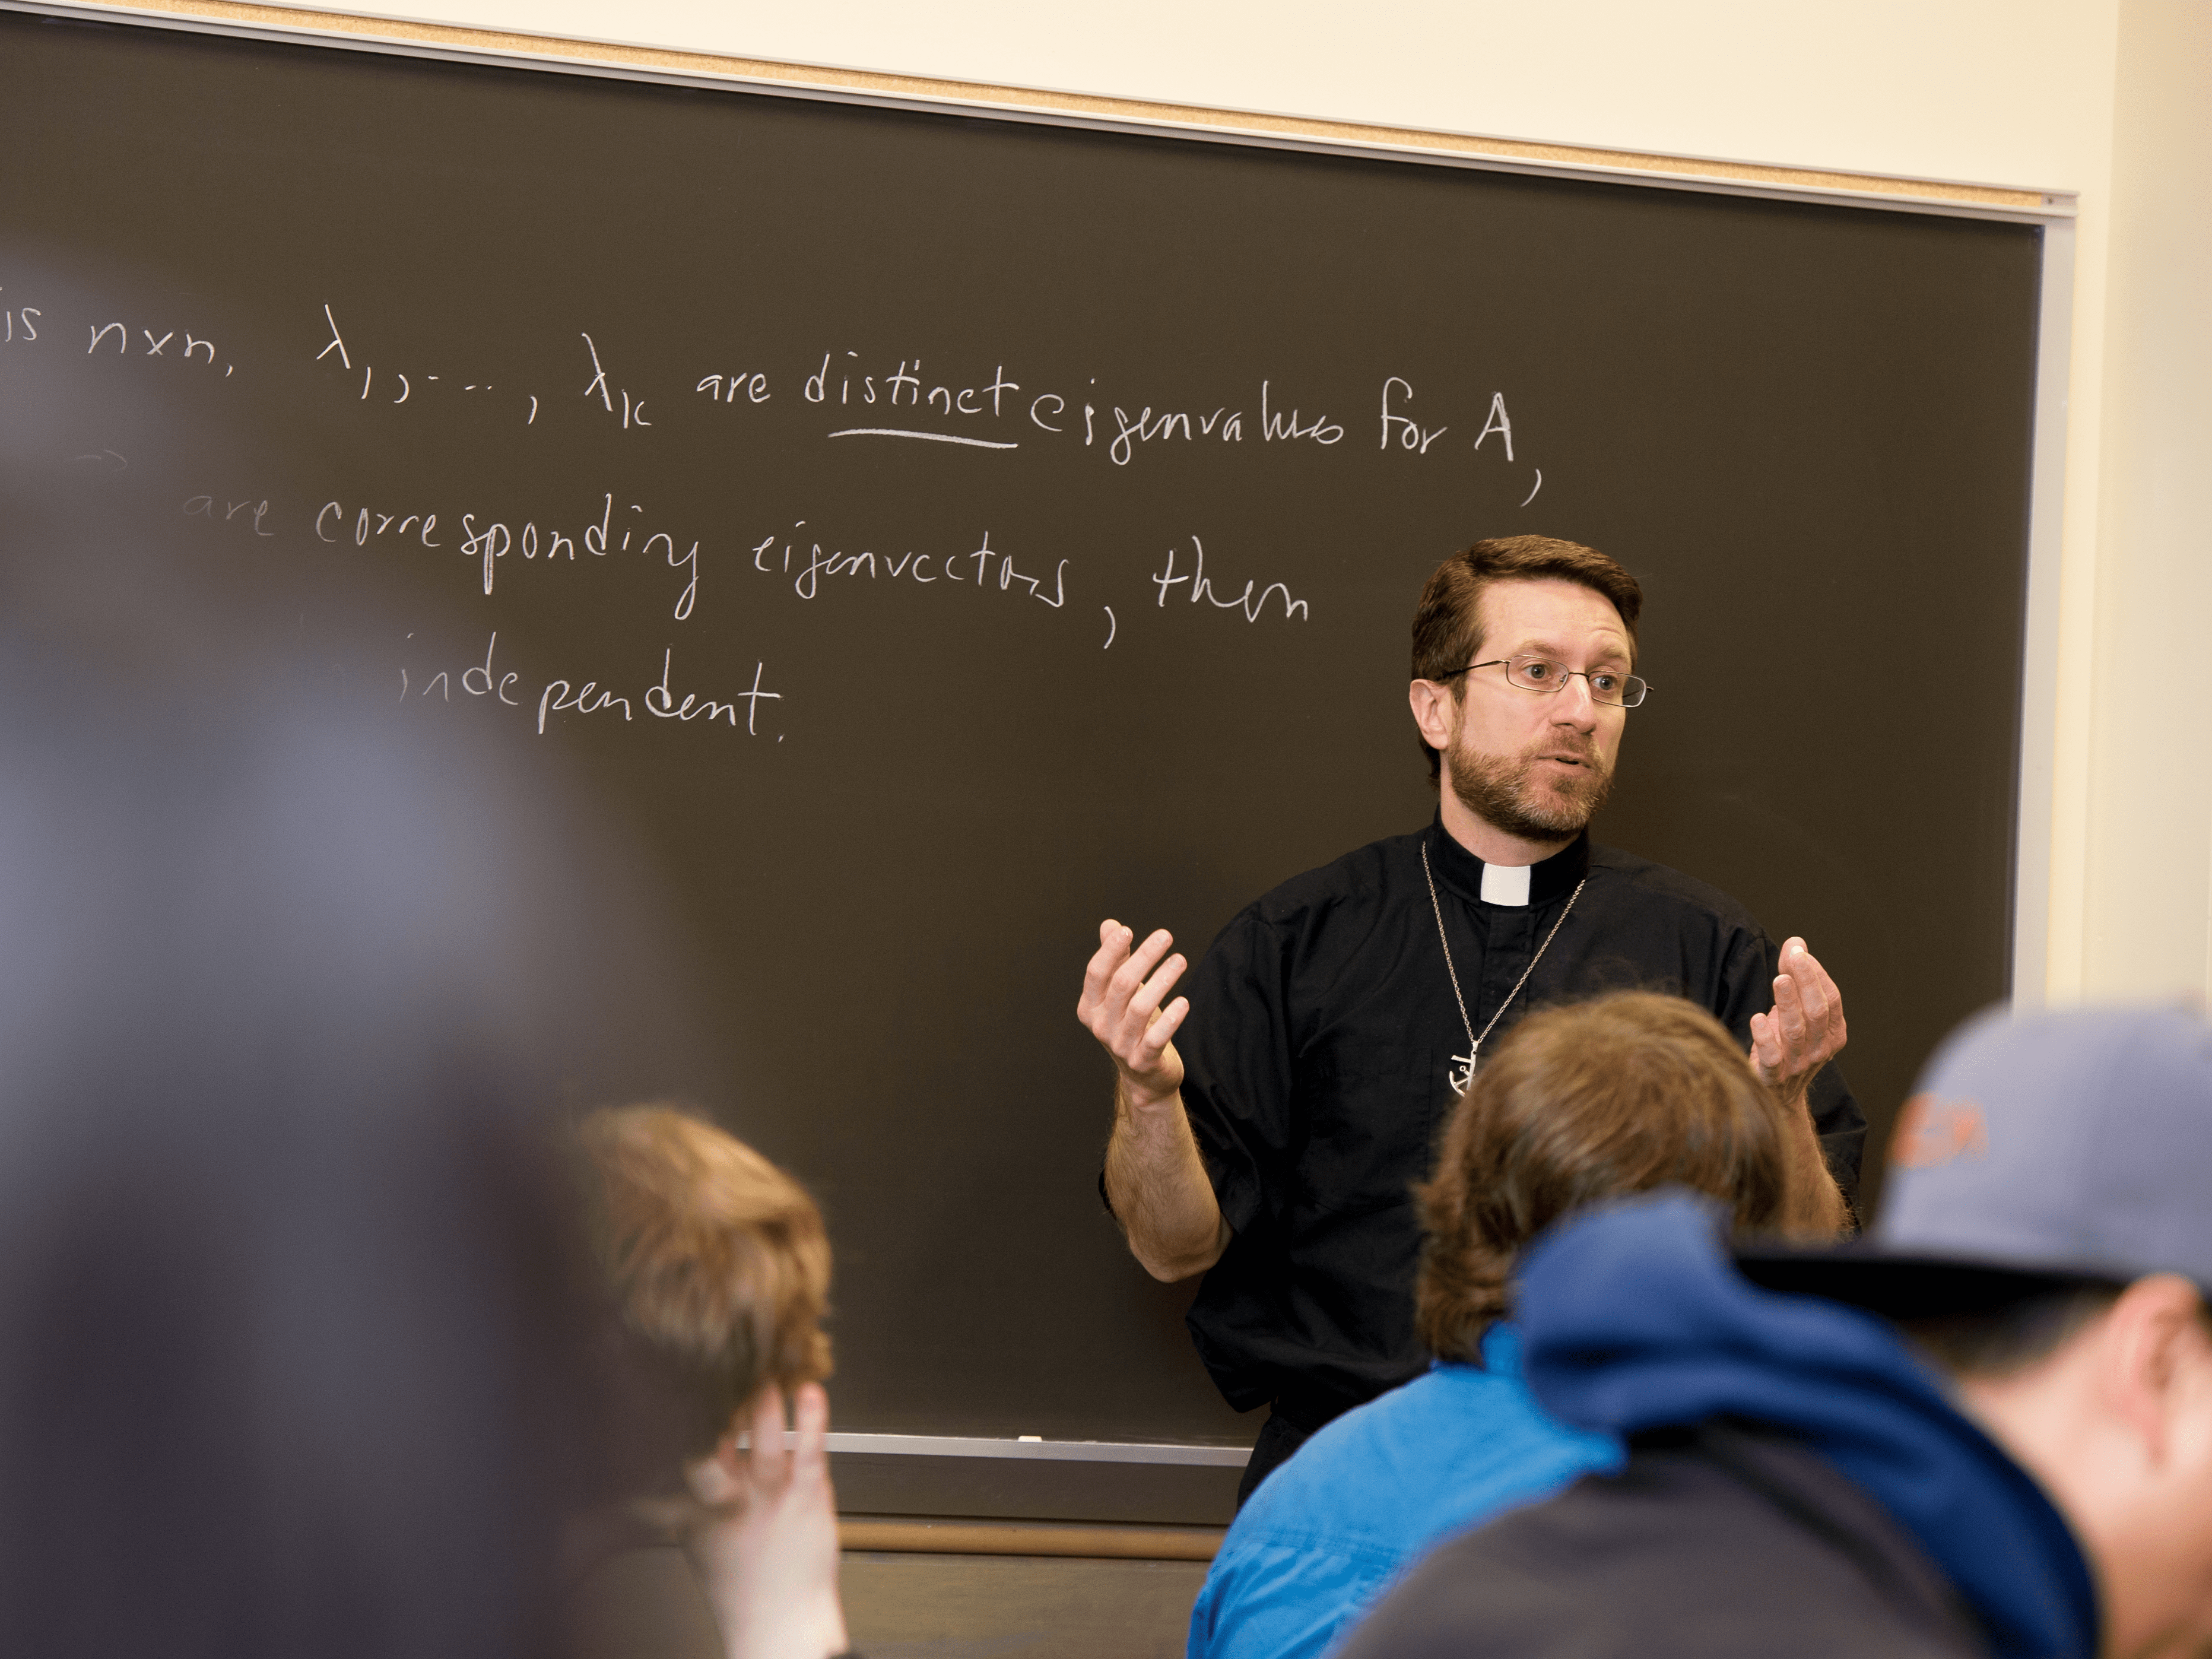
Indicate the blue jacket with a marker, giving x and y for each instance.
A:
(1327, 1532)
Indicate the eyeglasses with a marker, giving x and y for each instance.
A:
(1606, 686)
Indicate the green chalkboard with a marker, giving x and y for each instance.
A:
(931, 533)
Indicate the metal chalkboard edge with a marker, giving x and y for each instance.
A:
(1044, 1451)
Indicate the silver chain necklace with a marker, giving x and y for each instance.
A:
(1461, 1074)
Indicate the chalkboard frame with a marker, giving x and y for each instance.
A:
(2053, 211)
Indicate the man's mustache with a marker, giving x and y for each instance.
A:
(1584, 750)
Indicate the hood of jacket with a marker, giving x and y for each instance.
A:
(1634, 1318)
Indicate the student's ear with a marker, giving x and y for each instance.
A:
(719, 1477)
(2156, 1362)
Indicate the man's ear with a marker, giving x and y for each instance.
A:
(2155, 1359)
(1436, 711)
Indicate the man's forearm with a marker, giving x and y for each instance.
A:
(1817, 1206)
(1156, 1183)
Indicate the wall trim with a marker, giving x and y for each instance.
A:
(406, 37)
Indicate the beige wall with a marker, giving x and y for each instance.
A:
(1999, 91)
(2112, 98)
(2148, 815)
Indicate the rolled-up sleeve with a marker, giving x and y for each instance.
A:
(1236, 1046)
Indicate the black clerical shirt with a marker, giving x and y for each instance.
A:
(1321, 1034)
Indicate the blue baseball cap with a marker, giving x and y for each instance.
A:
(2047, 1148)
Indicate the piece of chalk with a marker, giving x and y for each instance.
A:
(1037, 1438)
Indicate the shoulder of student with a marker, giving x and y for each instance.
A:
(1328, 1530)
(1681, 1555)
(1425, 1460)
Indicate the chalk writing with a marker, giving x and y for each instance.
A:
(553, 700)
(985, 567)
(632, 416)
(1201, 587)
(203, 507)
(905, 386)
(1279, 428)
(492, 535)
(469, 676)
(1409, 432)
(991, 405)
(559, 695)
(23, 323)
(330, 525)
(406, 383)
(486, 545)
(1499, 422)
(725, 388)
(1145, 429)
(117, 339)
(932, 437)
(694, 708)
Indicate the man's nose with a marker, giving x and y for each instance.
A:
(1573, 704)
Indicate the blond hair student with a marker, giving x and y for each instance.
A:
(716, 1268)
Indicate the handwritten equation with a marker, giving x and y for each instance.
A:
(843, 396)
(703, 561)
(798, 562)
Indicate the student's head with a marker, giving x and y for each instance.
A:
(2047, 1238)
(1522, 744)
(717, 1269)
(293, 1326)
(1580, 1103)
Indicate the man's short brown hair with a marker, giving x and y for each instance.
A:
(1582, 1103)
(719, 1269)
(1448, 623)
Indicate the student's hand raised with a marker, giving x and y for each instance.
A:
(769, 1560)
(1121, 1006)
(1805, 1029)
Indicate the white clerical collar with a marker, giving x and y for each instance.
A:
(1505, 883)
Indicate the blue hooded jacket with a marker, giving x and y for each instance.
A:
(1326, 1533)
(1634, 1318)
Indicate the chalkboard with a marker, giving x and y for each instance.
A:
(932, 533)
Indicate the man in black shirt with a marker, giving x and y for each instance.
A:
(1326, 1034)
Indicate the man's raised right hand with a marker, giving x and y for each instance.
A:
(1120, 1005)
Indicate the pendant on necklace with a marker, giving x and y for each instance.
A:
(1460, 1075)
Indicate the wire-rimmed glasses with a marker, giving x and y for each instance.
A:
(1607, 685)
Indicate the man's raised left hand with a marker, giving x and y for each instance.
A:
(1804, 1031)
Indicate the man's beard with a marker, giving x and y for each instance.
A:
(1505, 793)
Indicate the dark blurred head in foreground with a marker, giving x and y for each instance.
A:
(288, 1338)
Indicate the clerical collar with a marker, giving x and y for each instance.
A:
(1502, 884)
